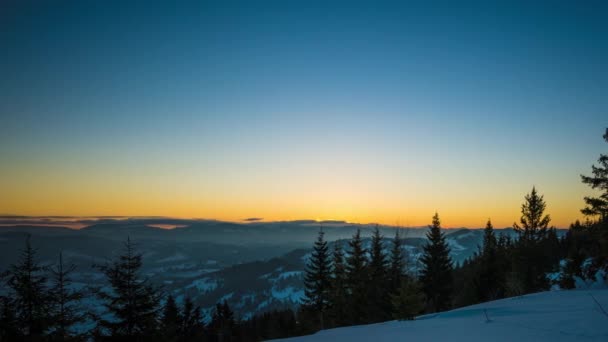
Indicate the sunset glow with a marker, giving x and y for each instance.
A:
(231, 113)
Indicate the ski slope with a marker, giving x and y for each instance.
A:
(546, 316)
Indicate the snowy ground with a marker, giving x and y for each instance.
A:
(547, 316)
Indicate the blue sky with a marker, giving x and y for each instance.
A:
(220, 106)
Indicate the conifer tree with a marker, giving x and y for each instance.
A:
(530, 263)
(133, 302)
(66, 311)
(317, 279)
(409, 300)
(490, 276)
(436, 273)
(598, 206)
(192, 327)
(357, 277)
(30, 295)
(8, 321)
(378, 297)
(396, 271)
(222, 323)
(171, 320)
(534, 223)
(338, 310)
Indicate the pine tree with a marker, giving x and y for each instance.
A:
(490, 275)
(436, 273)
(8, 321)
(192, 327)
(598, 206)
(408, 301)
(171, 320)
(530, 263)
(396, 264)
(31, 301)
(66, 311)
(338, 310)
(133, 302)
(222, 323)
(317, 279)
(357, 277)
(534, 223)
(378, 297)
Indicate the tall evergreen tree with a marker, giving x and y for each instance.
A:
(530, 263)
(222, 323)
(192, 327)
(396, 271)
(379, 304)
(317, 279)
(408, 301)
(66, 310)
(171, 320)
(8, 321)
(436, 273)
(132, 302)
(357, 277)
(490, 276)
(30, 295)
(338, 310)
(598, 206)
(534, 222)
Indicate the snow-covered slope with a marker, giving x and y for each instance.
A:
(547, 316)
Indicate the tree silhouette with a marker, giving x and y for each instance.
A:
(598, 206)
(171, 320)
(396, 264)
(66, 311)
(379, 306)
(338, 310)
(534, 223)
(408, 301)
(31, 298)
(357, 277)
(222, 323)
(192, 327)
(436, 273)
(8, 321)
(530, 262)
(133, 303)
(490, 275)
(317, 279)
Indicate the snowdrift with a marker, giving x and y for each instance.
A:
(546, 316)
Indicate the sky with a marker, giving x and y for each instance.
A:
(360, 111)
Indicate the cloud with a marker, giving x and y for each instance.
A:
(253, 219)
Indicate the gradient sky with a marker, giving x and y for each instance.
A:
(291, 110)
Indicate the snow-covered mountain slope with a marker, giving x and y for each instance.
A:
(547, 316)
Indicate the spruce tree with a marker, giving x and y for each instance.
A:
(530, 263)
(357, 277)
(436, 273)
(408, 301)
(338, 310)
(598, 206)
(396, 271)
(66, 311)
(490, 276)
(317, 279)
(533, 222)
(192, 327)
(133, 303)
(378, 297)
(8, 321)
(222, 323)
(30, 295)
(171, 320)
